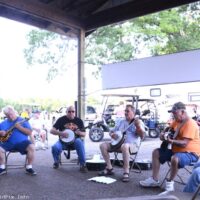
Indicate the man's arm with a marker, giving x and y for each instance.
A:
(55, 131)
(181, 143)
(24, 130)
(140, 129)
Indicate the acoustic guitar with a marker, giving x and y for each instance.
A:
(169, 132)
(10, 131)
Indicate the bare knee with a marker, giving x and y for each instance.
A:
(104, 147)
(174, 160)
(156, 153)
(30, 148)
(125, 148)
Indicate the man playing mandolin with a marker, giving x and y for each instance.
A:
(133, 130)
(14, 133)
(185, 147)
(70, 130)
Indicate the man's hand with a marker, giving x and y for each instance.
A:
(2, 133)
(114, 136)
(162, 136)
(64, 135)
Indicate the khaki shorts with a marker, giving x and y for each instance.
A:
(133, 148)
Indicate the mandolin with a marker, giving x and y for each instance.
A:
(10, 130)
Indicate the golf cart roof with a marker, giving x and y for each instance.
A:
(145, 100)
(120, 95)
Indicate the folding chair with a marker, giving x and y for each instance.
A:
(16, 165)
(39, 140)
(133, 157)
(181, 181)
(196, 193)
(67, 155)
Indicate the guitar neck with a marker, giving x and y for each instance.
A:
(13, 126)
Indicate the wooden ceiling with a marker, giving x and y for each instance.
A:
(69, 16)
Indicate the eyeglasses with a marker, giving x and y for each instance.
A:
(127, 111)
(71, 111)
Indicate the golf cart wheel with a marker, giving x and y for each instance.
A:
(154, 133)
(96, 134)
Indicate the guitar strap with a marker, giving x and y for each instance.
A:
(130, 124)
(179, 127)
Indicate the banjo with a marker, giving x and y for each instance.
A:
(116, 143)
(70, 138)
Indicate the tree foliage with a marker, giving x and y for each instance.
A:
(169, 31)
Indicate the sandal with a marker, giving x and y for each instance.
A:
(106, 172)
(125, 177)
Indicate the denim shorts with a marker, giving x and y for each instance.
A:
(184, 158)
(19, 147)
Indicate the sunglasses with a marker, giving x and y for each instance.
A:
(71, 111)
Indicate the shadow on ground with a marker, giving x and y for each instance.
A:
(67, 182)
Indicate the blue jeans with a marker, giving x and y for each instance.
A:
(194, 180)
(78, 145)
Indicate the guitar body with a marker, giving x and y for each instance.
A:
(70, 139)
(117, 143)
(169, 132)
(5, 138)
(9, 131)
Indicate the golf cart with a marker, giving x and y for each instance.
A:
(145, 109)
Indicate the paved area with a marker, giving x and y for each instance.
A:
(68, 183)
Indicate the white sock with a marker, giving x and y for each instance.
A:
(2, 166)
(28, 166)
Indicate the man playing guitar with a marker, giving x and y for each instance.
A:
(14, 133)
(134, 132)
(185, 148)
(64, 126)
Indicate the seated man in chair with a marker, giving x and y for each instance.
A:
(134, 132)
(185, 149)
(193, 182)
(14, 133)
(61, 128)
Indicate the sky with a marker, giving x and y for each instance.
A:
(20, 81)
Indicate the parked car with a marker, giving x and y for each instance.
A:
(90, 114)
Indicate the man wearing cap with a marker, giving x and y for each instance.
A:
(185, 147)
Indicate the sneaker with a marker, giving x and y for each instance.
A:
(83, 169)
(150, 182)
(55, 165)
(169, 186)
(44, 147)
(2, 171)
(31, 172)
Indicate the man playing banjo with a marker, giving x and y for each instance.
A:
(133, 132)
(70, 130)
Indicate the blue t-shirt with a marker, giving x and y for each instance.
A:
(16, 135)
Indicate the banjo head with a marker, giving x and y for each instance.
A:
(120, 136)
(71, 136)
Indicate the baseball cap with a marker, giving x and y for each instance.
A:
(177, 106)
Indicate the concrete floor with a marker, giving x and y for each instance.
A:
(68, 183)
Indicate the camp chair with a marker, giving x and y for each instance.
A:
(66, 153)
(133, 157)
(14, 165)
(186, 169)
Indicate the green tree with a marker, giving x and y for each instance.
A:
(165, 32)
